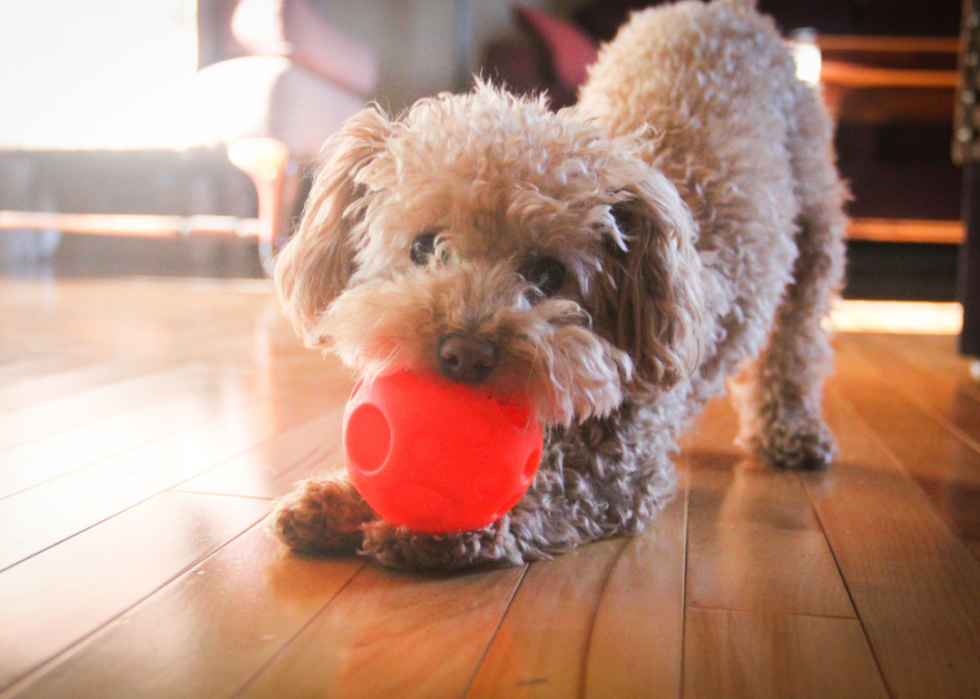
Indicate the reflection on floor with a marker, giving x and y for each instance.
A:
(145, 426)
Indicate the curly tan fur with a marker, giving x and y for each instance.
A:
(692, 199)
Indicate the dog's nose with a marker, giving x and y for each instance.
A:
(466, 359)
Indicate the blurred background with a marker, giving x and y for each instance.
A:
(176, 137)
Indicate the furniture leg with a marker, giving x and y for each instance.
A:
(968, 277)
(276, 177)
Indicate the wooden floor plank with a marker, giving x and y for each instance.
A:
(29, 424)
(206, 633)
(62, 595)
(123, 363)
(913, 582)
(754, 543)
(33, 463)
(735, 654)
(28, 365)
(393, 634)
(939, 354)
(543, 641)
(36, 391)
(637, 635)
(41, 517)
(945, 398)
(795, 585)
(944, 464)
(273, 469)
(144, 330)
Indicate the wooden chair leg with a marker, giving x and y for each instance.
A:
(968, 274)
(276, 177)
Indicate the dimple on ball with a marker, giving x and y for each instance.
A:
(438, 456)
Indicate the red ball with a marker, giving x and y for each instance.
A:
(438, 456)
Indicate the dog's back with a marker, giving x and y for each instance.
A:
(749, 148)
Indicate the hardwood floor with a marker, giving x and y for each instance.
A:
(144, 427)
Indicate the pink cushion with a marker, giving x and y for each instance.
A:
(292, 28)
(569, 49)
(266, 97)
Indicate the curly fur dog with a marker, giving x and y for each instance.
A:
(618, 260)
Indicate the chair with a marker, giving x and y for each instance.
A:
(293, 82)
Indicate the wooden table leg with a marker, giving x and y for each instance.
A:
(276, 177)
(968, 275)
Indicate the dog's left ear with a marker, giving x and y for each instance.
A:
(317, 263)
(648, 297)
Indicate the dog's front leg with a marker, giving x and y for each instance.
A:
(323, 515)
(400, 547)
(602, 479)
(327, 515)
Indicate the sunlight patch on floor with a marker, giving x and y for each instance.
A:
(912, 317)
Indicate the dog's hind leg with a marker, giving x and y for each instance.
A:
(780, 394)
(323, 515)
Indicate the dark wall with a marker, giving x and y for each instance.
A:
(878, 17)
(873, 17)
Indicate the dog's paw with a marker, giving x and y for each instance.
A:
(322, 516)
(400, 547)
(804, 444)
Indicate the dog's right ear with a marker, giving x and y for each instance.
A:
(649, 298)
(316, 264)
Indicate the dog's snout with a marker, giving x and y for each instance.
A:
(466, 358)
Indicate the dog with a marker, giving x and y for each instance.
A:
(620, 261)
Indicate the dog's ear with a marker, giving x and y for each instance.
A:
(316, 264)
(648, 297)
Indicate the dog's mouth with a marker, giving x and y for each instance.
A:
(473, 325)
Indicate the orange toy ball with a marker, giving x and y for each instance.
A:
(438, 456)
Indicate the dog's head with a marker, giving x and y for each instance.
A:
(485, 238)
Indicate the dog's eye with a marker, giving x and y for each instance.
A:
(546, 273)
(422, 248)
